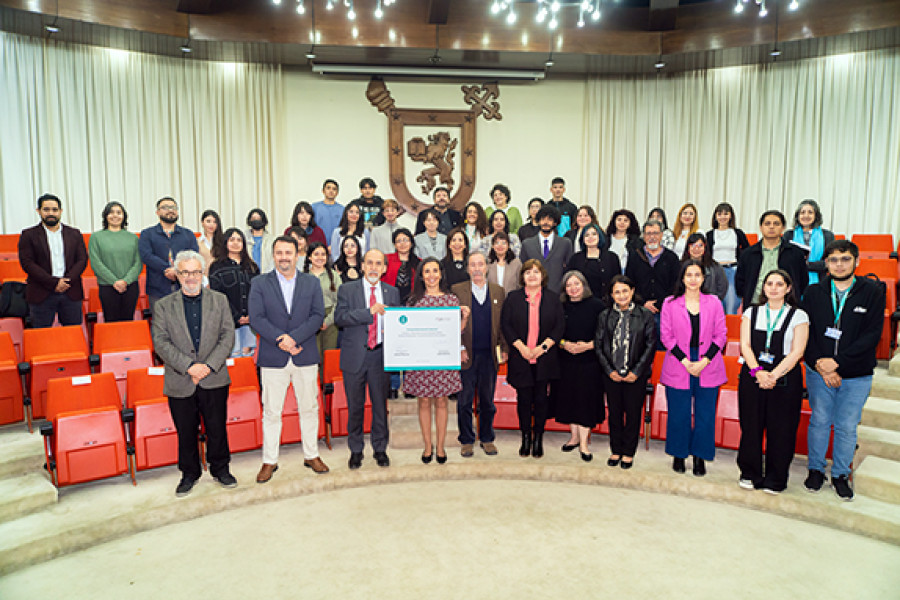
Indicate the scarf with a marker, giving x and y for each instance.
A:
(816, 248)
(621, 339)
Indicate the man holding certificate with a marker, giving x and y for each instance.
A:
(360, 312)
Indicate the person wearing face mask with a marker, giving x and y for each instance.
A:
(159, 244)
(259, 240)
(809, 235)
(360, 312)
(193, 334)
(53, 255)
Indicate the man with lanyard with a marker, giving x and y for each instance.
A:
(845, 315)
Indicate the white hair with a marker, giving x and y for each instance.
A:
(186, 255)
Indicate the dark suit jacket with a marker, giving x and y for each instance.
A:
(172, 342)
(556, 261)
(790, 258)
(269, 318)
(514, 325)
(34, 256)
(463, 291)
(354, 318)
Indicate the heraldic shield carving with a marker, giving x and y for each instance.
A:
(440, 142)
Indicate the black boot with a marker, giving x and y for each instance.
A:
(699, 467)
(525, 448)
(537, 447)
(678, 465)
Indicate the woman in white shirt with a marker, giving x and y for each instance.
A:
(726, 242)
(623, 235)
(210, 237)
(351, 224)
(476, 226)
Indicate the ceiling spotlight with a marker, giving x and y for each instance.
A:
(511, 17)
(542, 14)
(186, 49)
(379, 13)
(351, 14)
(51, 28)
(659, 64)
(794, 5)
(495, 8)
(549, 63)
(555, 6)
(580, 21)
(276, 2)
(329, 5)
(553, 23)
(775, 52)
(596, 14)
(301, 9)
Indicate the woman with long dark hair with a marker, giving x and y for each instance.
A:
(623, 235)
(715, 281)
(318, 263)
(692, 330)
(402, 264)
(304, 216)
(595, 262)
(500, 222)
(348, 263)
(432, 387)
(503, 264)
(116, 262)
(476, 224)
(726, 243)
(210, 236)
(351, 225)
(231, 273)
(584, 217)
(770, 392)
(454, 263)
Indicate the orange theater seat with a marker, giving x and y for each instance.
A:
(153, 431)
(801, 446)
(16, 329)
(122, 346)
(733, 324)
(10, 383)
(290, 418)
(505, 402)
(49, 354)
(659, 416)
(244, 425)
(340, 413)
(11, 270)
(874, 245)
(728, 425)
(9, 246)
(752, 238)
(84, 439)
(331, 370)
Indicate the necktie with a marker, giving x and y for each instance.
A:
(546, 247)
(373, 328)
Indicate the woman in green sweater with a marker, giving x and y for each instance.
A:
(114, 256)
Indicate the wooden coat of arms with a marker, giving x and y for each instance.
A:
(445, 145)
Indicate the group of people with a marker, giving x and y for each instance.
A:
(576, 311)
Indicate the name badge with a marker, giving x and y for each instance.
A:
(767, 358)
(860, 309)
(833, 333)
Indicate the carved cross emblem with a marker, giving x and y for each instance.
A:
(483, 104)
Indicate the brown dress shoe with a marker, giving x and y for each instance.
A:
(266, 472)
(466, 450)
(489, 448)
(316, 465)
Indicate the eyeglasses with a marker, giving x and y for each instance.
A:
(836, 260)
(190, 273)
(167, 207)
(652, 233)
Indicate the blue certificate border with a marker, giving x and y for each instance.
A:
(440, 368)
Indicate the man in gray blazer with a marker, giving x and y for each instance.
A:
(552, 250)
(360, 312)
(286, 310)
(193, 333)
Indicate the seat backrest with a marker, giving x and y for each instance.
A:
(7, 349)
(70, 394)
(883, 268)
(752, 238)
(874, 241)
(733, 371)
(242, 371)
(331, 365)
(54, 341)
(144, 384)
(656, 373)
(733, 324)
(9, 242)
(122, 336)
(11, 269)
(14, 327)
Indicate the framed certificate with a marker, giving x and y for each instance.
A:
(422, 339)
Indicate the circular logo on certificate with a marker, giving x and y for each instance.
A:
(403, 319)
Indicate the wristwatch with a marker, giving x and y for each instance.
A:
(545, 347)
(755, 370)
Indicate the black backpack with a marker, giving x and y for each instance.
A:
(12, 300)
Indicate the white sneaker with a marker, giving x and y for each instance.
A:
(746, 484)
(771, 491)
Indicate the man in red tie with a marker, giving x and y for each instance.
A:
(360, 313)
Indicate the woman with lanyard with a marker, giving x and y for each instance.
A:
(770, 391)
(809, 234)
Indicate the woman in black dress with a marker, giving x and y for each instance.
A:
(596, 262)
(231, 274)
(625, 344)
(348, 263)
(578, 393)
(454, 262)
(532, 322)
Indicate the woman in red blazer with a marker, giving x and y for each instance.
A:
(692, 329)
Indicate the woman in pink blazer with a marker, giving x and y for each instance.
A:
(692, 329)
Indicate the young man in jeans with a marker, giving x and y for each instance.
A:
(845, 314)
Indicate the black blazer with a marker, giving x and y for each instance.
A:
(642, 347)
(34, 256)
(514, 326)
(790, 258)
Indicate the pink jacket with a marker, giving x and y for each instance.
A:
(675, 330)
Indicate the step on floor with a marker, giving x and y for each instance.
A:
(878, 478)
(874, 441)
(22, 453)
(881, 412)
(25, 494)
(406, 433)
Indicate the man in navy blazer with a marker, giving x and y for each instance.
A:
(286, 310)
(553, 250)
(360, 312)
(53, 256)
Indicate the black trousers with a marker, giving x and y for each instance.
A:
(532, 403)
(116, 306)
(625, 401)
(774, 414)
(373, 376)
(212, 406)
(55, 305)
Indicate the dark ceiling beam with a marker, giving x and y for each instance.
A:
(438, 10)
(201, 7)
(663, 14)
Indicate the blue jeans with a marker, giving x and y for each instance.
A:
(840, 407)
(732, 302)
(698, 440)
(243, 338)
(481, 377)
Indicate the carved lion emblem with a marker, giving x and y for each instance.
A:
(440, 153)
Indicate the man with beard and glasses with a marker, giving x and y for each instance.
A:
(845, 316)
(360, 312)
(193, 333)
(550, 248)
(53, 255)
(159, 245)
(448, 218)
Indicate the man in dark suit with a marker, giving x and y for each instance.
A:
(53, 255)
(286, 310)
(193, 333)
(548, 247)
(485, 349)
(360, 312)
(448, 219)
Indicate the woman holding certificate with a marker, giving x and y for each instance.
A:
(532, 322)
(432, 387)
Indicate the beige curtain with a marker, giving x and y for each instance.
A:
(91, 125)
(756, 136)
